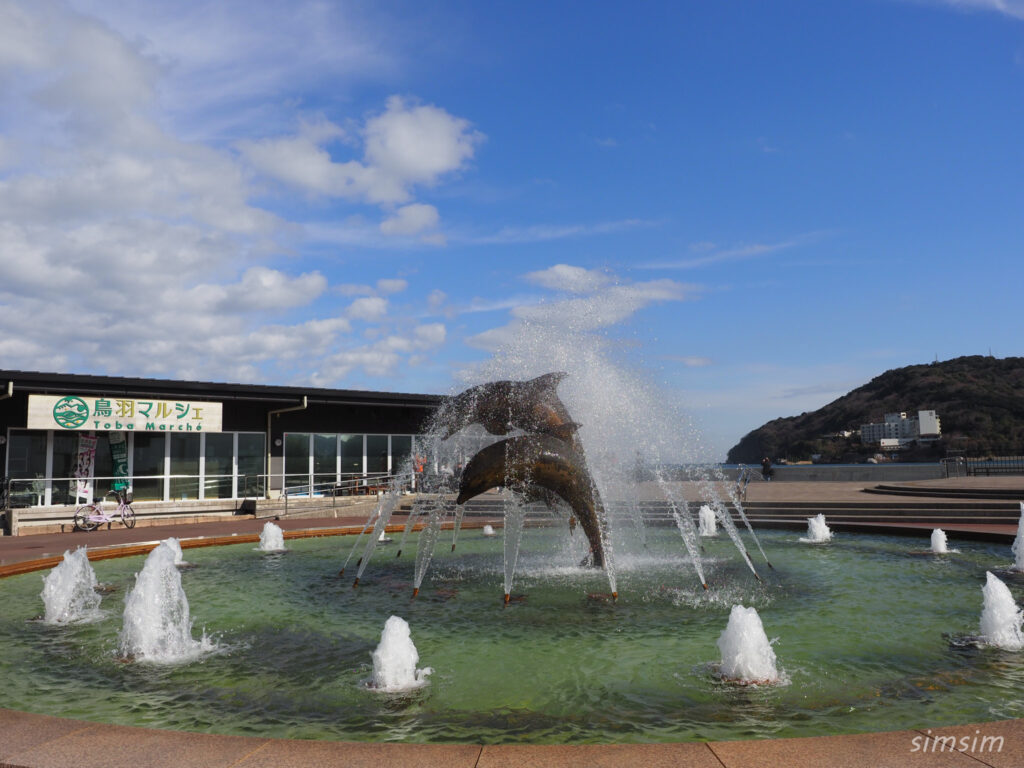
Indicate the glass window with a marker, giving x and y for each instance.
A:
(252, 454)
(185, 461)
(65, 456)
(401, 450)
(148, 457)
(325, 461)
(220, 449)
(26, 461)
(376, 454)
(103, 465)
(296, 459)
(351, 454)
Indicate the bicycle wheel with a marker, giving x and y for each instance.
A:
(82, 518)
(128, 516)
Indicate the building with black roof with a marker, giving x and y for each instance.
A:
(65, 437)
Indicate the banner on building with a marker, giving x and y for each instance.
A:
(117, 414)
(83, 465)
(119, 459)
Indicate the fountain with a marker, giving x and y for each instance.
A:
(157, 623)
(817, 531)
(271, 538)
(1018, 543)
(395, 659)
(1000, 618)
(939, 546)
(708, 527)
(550, 459)
(175, 545)
(597, 447)
(488, 530)
(69, 591)
(568, 667)
(747, 655)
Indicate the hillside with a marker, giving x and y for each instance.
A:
(979, 400)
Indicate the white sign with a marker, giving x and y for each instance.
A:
(105, 414)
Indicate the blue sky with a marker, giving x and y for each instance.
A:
(760, 205)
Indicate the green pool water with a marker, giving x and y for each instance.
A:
(870, 637)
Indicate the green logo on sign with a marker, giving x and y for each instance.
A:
(70, 412)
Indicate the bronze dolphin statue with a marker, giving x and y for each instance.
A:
(532, 462)
(500, 406)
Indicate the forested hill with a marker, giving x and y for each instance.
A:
(979, 401)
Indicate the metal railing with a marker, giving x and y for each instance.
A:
(299, 492)
(982, 466)
(994, 465)
(56, 491)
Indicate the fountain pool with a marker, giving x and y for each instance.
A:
(869, 638)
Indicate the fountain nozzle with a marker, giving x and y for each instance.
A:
(415, 591)
(507, 598)
(355, 583)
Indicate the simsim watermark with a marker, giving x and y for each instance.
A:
(975, 743)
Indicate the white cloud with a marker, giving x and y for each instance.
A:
(406, 146)
(604, 307)
(690, 361)
(418, 143)
(231, 67)
(1014, 8)
(436, 300)
(564, 277)
(383, 357)
(127, 247)
(710, 254)
(371, 308)
(546, 232)
(411, 220)
(430, 335)
(392, 285)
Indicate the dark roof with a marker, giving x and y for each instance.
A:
(88, 384)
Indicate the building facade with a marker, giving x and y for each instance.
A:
(897, 429)
(64, 437)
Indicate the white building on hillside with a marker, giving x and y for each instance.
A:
(897, 427)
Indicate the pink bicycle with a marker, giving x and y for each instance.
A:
(89, 517)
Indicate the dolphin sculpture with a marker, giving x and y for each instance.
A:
(501, 406)
(530, 463)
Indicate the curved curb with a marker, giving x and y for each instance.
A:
(44, 741)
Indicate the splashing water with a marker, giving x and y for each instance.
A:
(157, 624)
(387, 507)
(817, 531)
(515, 517)
(1000, 619)
(1018, 543)
(627, 431)
(460, 511)
(271, 538)
(489, 530)
(939, 542)
(425, 550)
(174, 544)
(747, 655)
(707, 521)
(69, 591)
(395, 659)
